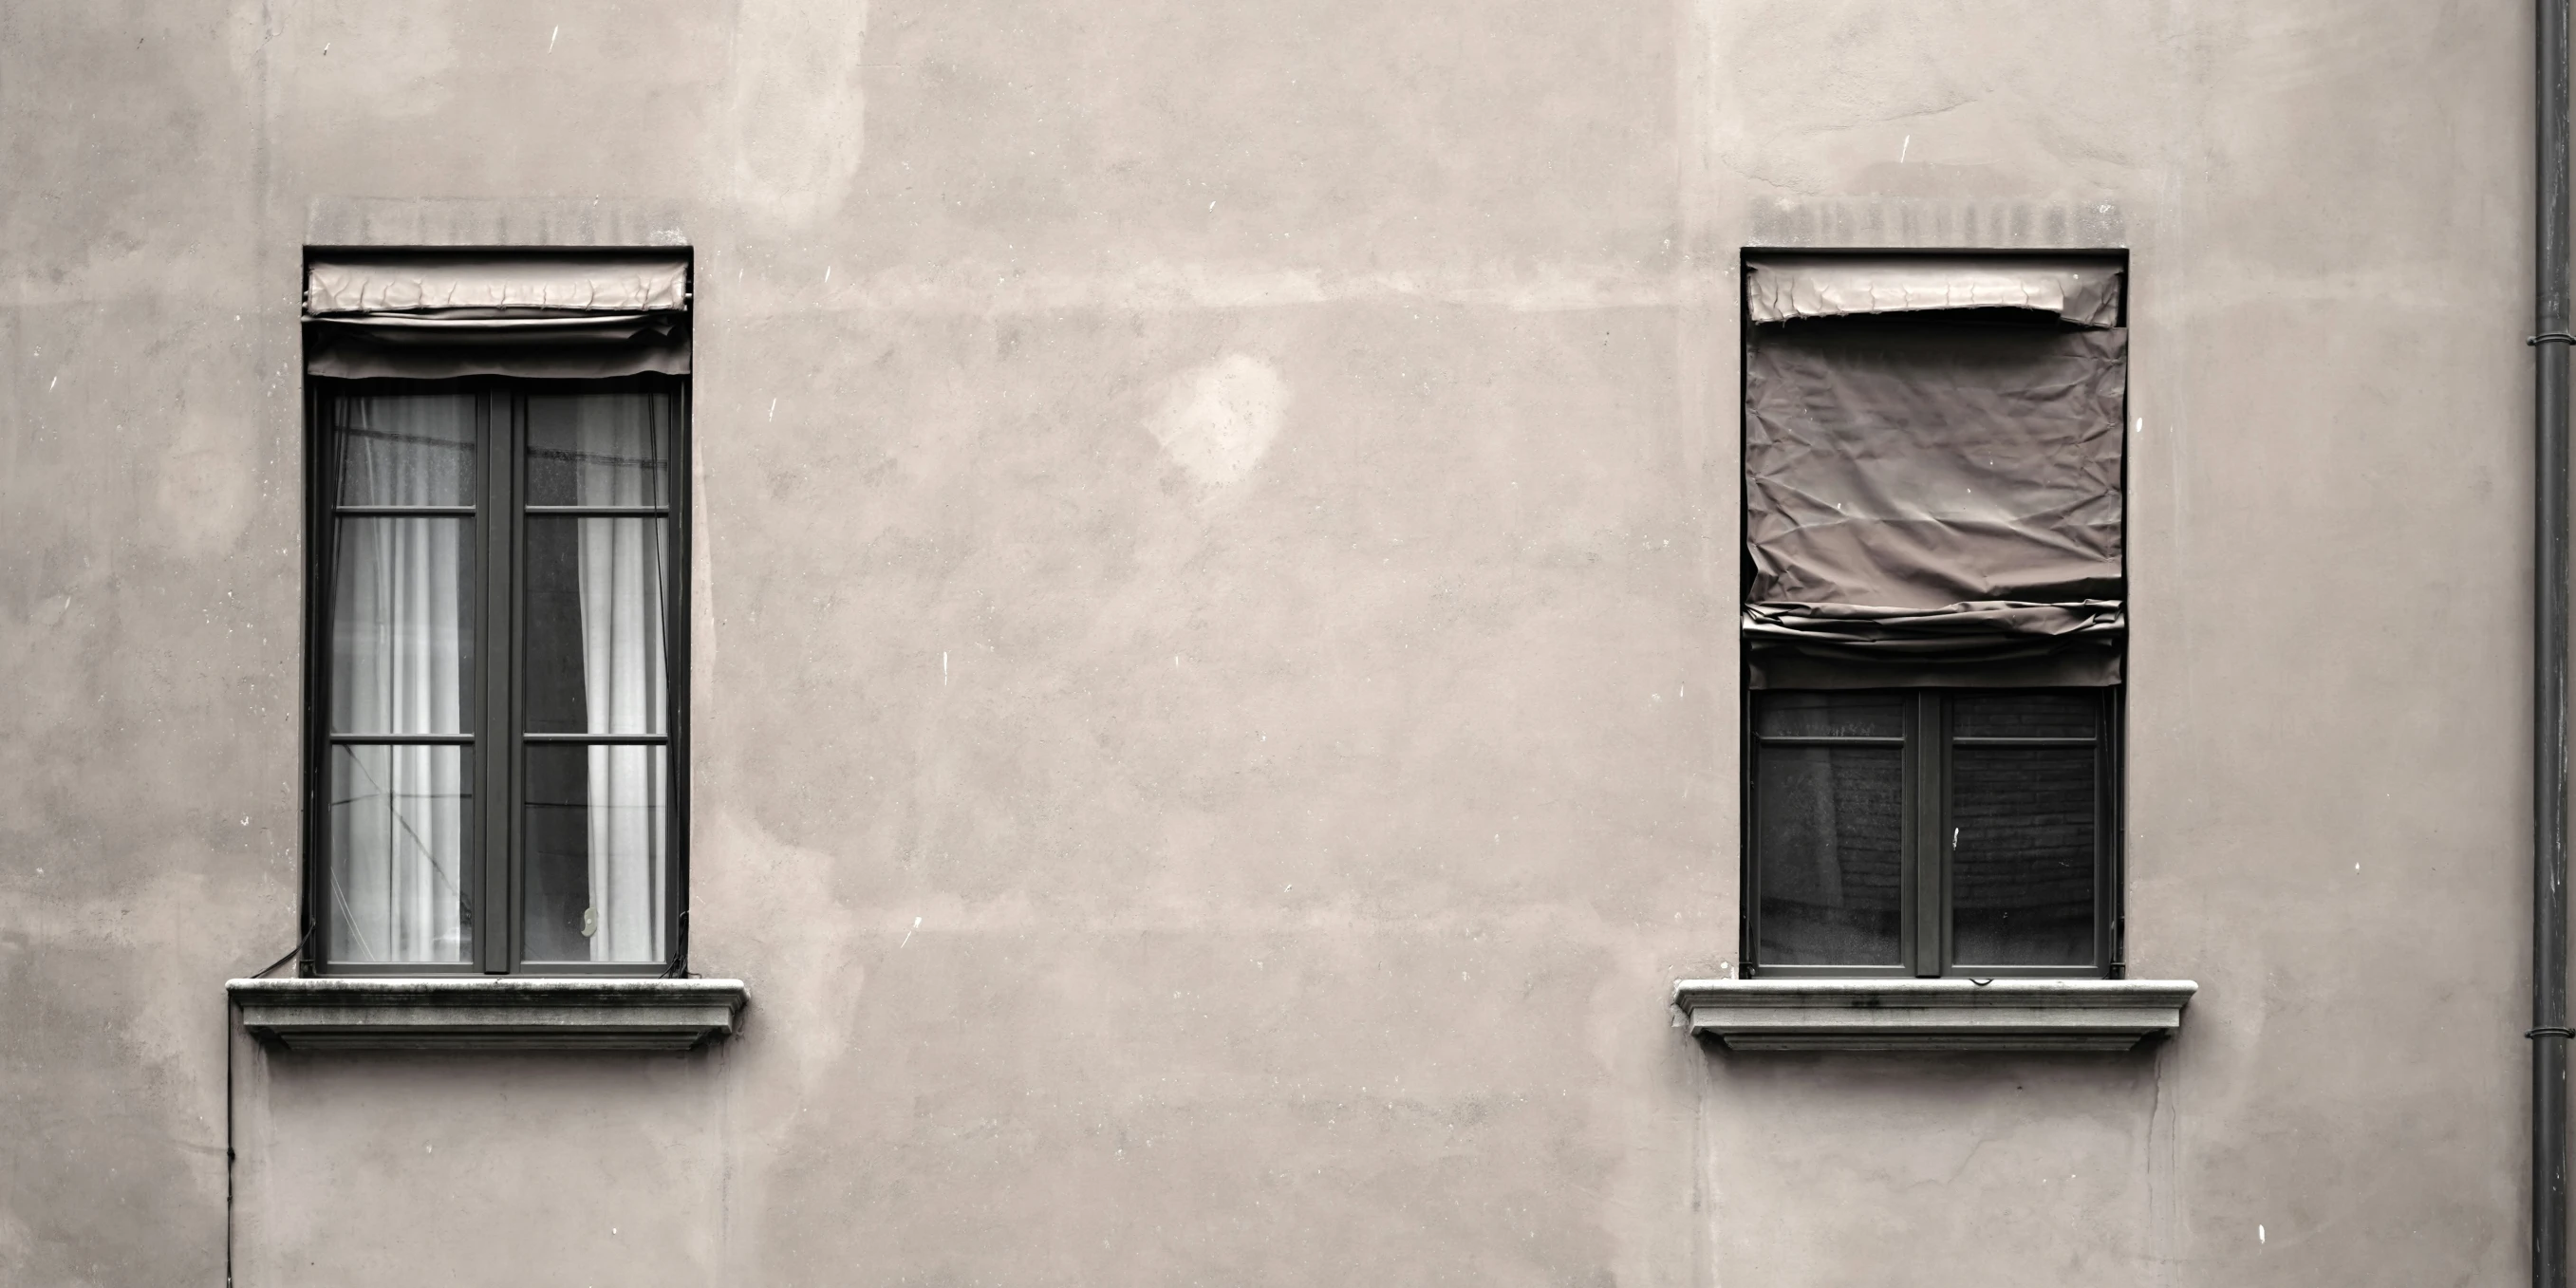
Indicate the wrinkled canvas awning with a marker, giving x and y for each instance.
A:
(1929, 503)
(1782, 288)
(429, 316)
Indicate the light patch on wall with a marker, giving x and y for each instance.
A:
(1216, 421)
(799, 108)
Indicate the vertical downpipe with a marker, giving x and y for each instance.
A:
(2550, 344)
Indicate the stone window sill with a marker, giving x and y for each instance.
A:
(1932, 1014)
(489, 1013)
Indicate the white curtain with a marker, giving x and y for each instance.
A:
(621, 461)
(400, 658)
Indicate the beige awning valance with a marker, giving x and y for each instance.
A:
(1780, 288)
(429, 286)
(553, 315)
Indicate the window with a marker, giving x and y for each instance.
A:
(496, 779)
(1933, 832)
(1935, 616)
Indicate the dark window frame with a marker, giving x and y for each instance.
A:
(500, 515)
(2110, 891)
(1927, 904)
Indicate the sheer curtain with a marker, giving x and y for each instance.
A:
(401, 662)
(621, 443)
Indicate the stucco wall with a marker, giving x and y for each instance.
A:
(1214, 668)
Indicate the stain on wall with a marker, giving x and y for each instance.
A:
(1217, 421)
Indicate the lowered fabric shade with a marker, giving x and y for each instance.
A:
(1933, 504)
(543, 315)
(1782, 288)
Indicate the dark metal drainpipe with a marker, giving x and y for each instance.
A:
(2550, 343)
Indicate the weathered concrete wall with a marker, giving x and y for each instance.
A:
(1214, 676)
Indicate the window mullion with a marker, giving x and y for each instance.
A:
(496, 742)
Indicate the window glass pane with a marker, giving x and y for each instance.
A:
(595, 623)
(402, 647)
(1830, 827)
(1789, 714)
(405, 449)
(399, 846)
(2021, 875)
(599, 448)
(595, 877)
(2025, 715)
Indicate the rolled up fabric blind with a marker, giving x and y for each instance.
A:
(428, 316)
(2085, 293)
(1933, 501)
